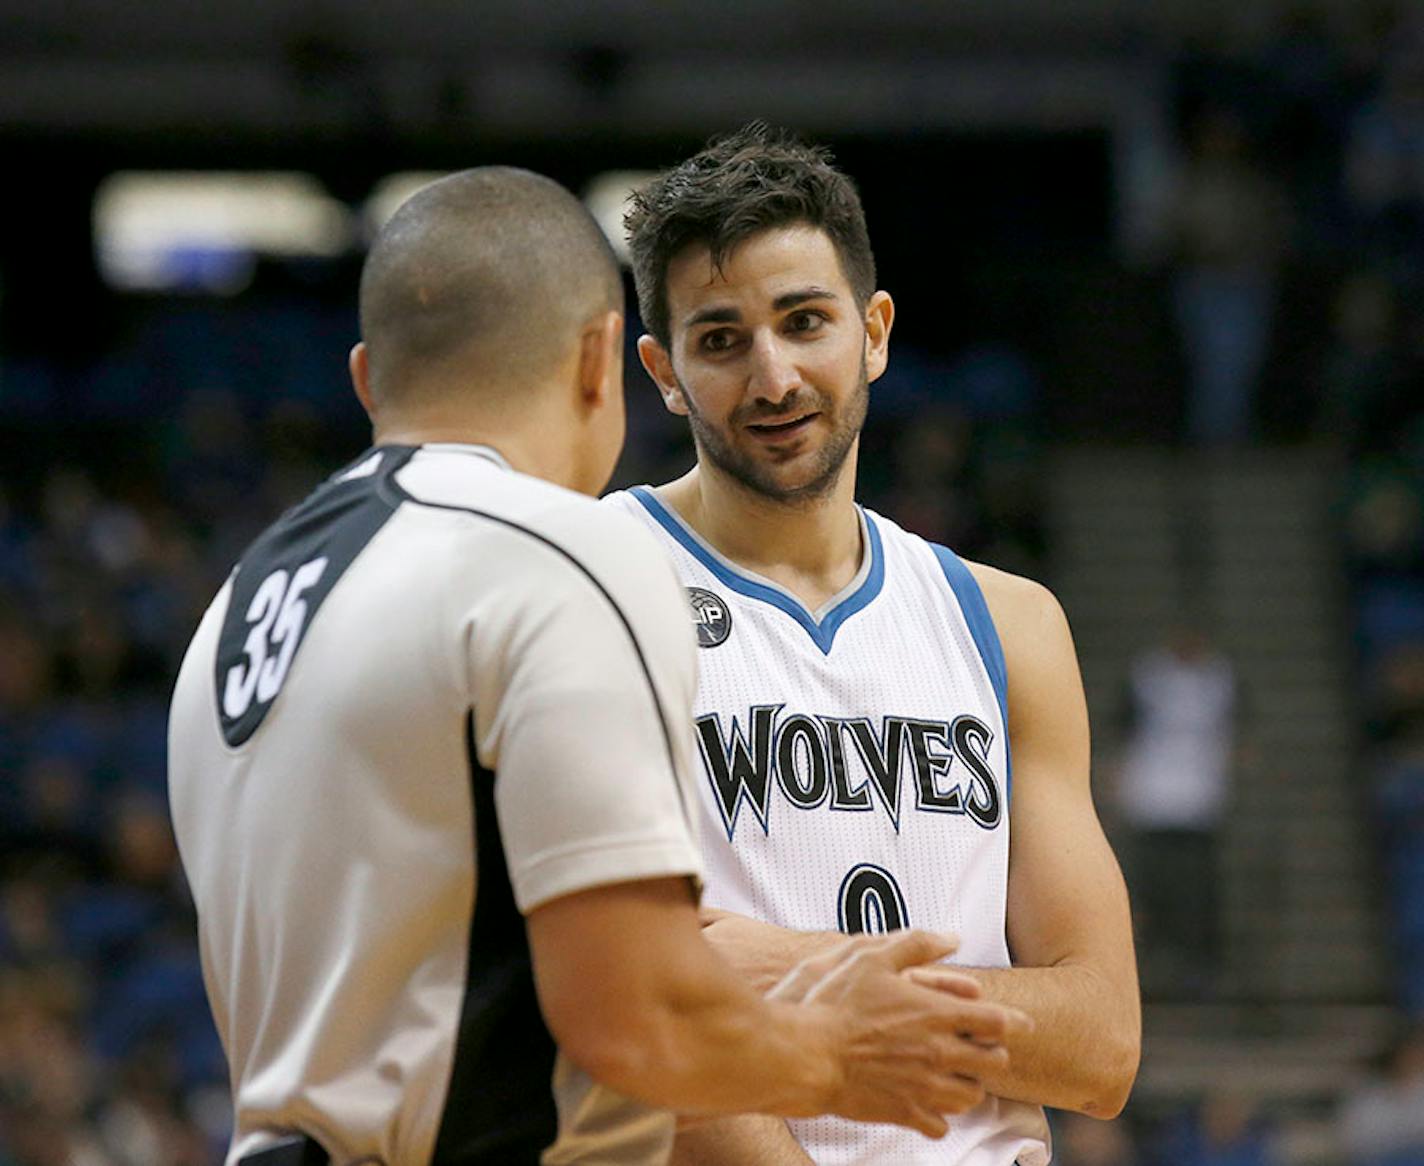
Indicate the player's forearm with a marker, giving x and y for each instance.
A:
(1083, 1051)
(763, 953)
(737, 1141)
(722, 1052)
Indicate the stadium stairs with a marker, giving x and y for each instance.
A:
(1246, 540)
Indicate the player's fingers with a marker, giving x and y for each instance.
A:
(949, 1094)
(946, 979)
(927, 1122)
(903, 949)
(974, 1062)
(962, 1094)
(989, 1022)
(1020, 1022)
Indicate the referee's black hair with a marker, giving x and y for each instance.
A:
(749, 181)
(482, 277)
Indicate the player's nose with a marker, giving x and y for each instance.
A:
(773, 373)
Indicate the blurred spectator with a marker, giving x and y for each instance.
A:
(932, 492)
(1226, 1130)
(1384, 164)
(1230, 232)
(212, 462)
(15, 564)
(1307, 103)
(1085, 1141)
(1399, 803)
(1382, 1121)
(1364, 374)
(1182, 704)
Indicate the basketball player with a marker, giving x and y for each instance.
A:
(888, 736)
(429, 768)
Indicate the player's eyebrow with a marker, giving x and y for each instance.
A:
(714, 315)
(726, 314)
(794, 298)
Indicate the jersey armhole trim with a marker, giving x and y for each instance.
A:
(986, 637)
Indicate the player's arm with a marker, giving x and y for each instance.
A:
(1069, 928)
(737, 1141)
(634, 995)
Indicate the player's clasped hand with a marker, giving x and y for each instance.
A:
(907, 1051)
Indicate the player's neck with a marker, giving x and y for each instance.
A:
(811, 547)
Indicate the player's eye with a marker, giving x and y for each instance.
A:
(718, 340)
(805, 321)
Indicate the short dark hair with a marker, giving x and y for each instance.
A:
(485, 274)
(739, 185)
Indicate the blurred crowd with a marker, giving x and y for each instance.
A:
(1297, 195)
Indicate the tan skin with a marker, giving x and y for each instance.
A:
(628, 984)
(741, 345)
(568, 430)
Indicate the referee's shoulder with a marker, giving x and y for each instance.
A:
(519, 509)
(582, 541)
(600, 535)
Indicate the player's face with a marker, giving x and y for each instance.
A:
(771, 360)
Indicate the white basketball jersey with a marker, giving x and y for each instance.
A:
(855, 772)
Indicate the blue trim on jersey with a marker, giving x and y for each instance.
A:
(981, 626)
(822, 634)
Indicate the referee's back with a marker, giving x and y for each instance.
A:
(370, 753)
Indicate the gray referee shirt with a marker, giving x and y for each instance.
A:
(432, 696)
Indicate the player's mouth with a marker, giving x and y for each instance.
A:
(776, 431)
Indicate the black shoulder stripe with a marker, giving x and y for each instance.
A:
(281, 582)
(388, 483)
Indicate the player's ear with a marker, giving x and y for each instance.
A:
(658, 364)
(600, 365)
(879, 317)
(360, 365)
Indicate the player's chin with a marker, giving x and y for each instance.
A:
(788, 460)
(793, 487)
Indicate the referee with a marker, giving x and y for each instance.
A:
(429, 765)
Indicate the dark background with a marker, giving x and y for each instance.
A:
(1047, 184)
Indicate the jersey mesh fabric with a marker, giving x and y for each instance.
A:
(930, 840)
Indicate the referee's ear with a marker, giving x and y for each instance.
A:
(359, 364)
(600, 366)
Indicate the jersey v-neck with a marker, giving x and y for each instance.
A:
(822, 624)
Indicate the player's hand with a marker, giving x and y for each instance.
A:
(906, 1053)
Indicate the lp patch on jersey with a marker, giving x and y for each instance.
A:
(711, 616)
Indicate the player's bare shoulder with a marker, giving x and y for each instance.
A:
(1027, 615)
(1015, 599)
(1045, 689)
